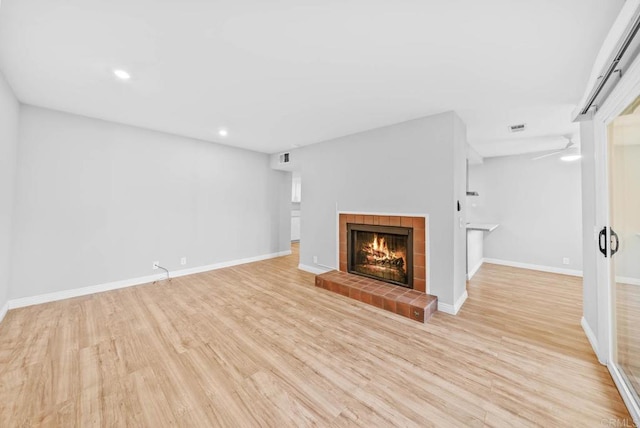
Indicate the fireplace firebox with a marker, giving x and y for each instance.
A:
(381, 252)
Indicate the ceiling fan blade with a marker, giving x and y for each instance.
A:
(548, 154)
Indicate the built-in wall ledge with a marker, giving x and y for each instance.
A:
(485, 227)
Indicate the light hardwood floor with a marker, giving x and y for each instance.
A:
(259, 345)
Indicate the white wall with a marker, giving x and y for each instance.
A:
(415, 167)
(459, 218)
(538, 207)
(589, 229)
(9, 109)
(99, 202)
(475, 251)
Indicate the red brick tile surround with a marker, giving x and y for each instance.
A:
(419, 241)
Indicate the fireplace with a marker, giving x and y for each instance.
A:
(383, 262)
(381, 252)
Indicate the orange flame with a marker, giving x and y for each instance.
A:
(380, 245)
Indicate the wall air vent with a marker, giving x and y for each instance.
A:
(518, 128)
(284, 158)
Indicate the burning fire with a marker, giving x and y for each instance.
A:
(381, 255)
(378, 254)
(379, 245)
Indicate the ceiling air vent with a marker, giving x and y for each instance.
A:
(284, 158)
(518, 128)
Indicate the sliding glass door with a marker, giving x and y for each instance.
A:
(624, 243)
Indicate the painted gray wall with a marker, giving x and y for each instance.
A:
(415, 167)
(589, 251)
(99, 202)
(538, 206)
(460, 217)
(9, 110)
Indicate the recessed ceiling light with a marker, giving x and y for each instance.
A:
(223, 132)
(570, 158)
(121, 74)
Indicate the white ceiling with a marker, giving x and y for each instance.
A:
(547, 128)
(281, 73)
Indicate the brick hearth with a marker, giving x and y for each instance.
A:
(409, 303)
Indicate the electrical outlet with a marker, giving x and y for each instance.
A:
(315, 259)
(565, 260)
(155, 265)
(183, 261)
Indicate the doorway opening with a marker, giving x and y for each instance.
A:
(296, 200)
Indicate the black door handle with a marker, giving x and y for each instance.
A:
(614, 241)
(602, 241)
(614, 238)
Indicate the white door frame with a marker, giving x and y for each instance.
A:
(626, 91)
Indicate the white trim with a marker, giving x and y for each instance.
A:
(3, 310)
(625, 393)
(603, 272)
(453, 310)
(627, 280)
(383, 214)
(540, 268)
(229, 263)
(625, 92)
(592, 338)
(314, 270)
(475, 269)
(83, 291)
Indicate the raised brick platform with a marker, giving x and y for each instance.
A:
(403, 301)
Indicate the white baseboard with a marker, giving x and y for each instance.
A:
(474, 270)
(3, 310)
(230, 263)
(83, 291)
(453, 310)
(313, 269)
(627, 280)
(591, 337)
(549, 269)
